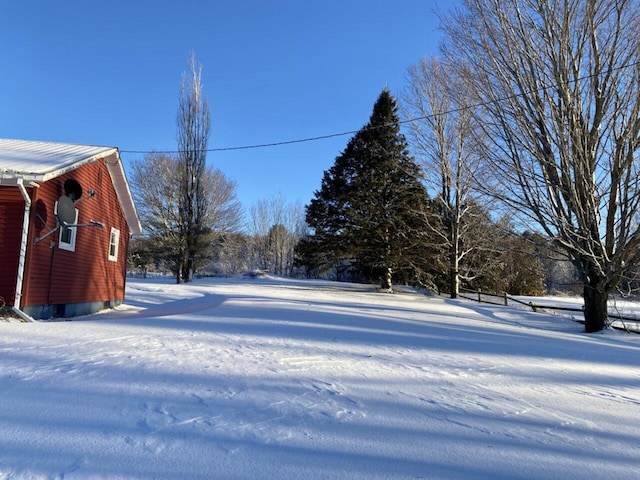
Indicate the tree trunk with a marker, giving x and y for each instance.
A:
(455, 283)
(595, 308)
(385, 280)
(454, 265)
(187, 271)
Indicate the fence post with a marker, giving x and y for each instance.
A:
(480, 295)
(532, 305)
(506, 300)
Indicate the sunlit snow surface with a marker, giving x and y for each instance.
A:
(284, 379)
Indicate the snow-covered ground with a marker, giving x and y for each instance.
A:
(285, 379)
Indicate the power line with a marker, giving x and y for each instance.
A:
(353, 132)
(319, 137)
(249, 147)
(309, 139)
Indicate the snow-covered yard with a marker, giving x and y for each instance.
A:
(285, 379)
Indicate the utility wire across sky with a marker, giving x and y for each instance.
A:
(353, 132)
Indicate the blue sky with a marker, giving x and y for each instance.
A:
(108, 73)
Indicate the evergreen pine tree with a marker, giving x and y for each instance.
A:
(370, 209)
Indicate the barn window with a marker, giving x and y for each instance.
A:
(67, 239)
(114, 240)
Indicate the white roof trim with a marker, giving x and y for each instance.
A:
(42, 161)
(119, 180)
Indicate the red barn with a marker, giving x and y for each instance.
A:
(66, 216)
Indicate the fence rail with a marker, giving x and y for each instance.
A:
(504, 299)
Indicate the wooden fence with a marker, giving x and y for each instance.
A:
(504, 299)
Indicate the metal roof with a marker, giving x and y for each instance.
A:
(34, 161)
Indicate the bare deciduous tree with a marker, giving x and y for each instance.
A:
(193, 128)
(441, 135)
(277, 226)
(154, 189)
(156, 182)
(559, 86)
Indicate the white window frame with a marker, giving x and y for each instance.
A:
(63, 244)
(114, 244)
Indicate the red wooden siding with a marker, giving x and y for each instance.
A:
(55, 276)
(11, 215)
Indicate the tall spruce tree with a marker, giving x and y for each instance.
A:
(370, 209)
